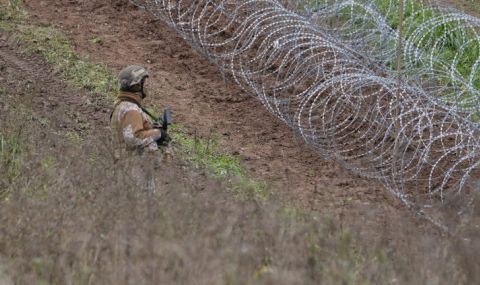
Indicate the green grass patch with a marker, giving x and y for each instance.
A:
(451, 45)
(10, 12)
(10, 159)
(205, 154)
(57, 50)
(448, 42)
(74, 138)
(12, 146)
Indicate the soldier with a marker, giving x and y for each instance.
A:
(133, 127)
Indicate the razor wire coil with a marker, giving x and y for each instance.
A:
(327, 69)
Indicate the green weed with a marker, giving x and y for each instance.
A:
(42, 268)
(346, 265)
(74, 138)
(14, 4)
(293, 212)
(10, 11)
(96, 40)
(47, 162)
(313, 4)
(10, 158)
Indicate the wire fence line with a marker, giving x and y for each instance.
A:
(442, 45)
(330, 75)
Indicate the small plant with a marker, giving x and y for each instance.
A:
(47, 163)
(74, 138)
(96, 40)
(10, 11)
(14, 4)
(10, 160)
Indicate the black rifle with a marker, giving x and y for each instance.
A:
(163, 122)
(166, 119)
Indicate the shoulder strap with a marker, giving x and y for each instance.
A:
(134, 102)
(115, 107)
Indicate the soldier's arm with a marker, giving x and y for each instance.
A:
(133, 132)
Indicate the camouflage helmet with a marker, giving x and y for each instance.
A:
(131, 76)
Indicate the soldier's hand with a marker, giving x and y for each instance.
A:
(158, 124)
(164, 138)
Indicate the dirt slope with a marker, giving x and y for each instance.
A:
(117, 34)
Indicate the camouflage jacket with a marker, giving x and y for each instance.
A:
(132, 127)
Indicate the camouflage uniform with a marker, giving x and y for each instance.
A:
(132, 128)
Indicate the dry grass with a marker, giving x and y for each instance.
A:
(75, 217)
